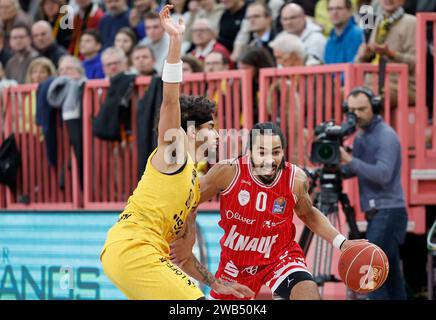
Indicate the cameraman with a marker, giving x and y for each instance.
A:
(376, 161)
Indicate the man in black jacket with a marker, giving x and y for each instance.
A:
(44, 42)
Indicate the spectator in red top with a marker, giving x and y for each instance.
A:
(204, 39)
(87, 18)
(10, 16)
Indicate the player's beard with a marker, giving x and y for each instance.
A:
(270, 179)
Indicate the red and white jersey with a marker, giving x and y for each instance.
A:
(258, 246)
(257, 218)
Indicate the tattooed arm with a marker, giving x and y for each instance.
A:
(314, 219)
(199, 272)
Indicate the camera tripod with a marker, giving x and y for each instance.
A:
(327, 200)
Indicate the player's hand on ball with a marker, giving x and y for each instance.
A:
(350, 243)
(232, 288)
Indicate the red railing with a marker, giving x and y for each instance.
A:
(110, 169)
(110, 173)
(40, 186)
(423, 152)
(306, 96)
(423, 174)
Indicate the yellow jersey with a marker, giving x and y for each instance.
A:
(159, 206)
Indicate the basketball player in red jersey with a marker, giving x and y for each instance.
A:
(259, 193)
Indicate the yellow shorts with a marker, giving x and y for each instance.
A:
(141, 272)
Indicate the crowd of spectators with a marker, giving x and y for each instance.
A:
(109, 37)
(331, 31)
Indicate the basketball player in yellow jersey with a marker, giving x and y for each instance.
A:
(135, 256)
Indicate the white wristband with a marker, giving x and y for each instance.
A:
(172, 72)
(338, 241)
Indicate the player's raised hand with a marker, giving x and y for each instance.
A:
(232, 288)
(171, 28)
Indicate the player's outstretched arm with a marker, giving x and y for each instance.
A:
(314, 219)
(171, 138)
(171, 75)
(217, 179)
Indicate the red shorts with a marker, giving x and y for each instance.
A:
(255, 276)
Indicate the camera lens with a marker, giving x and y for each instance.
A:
(325, 152)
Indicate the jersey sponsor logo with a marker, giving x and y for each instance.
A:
(243, 197)
(231, 269)
(239, 242)
(246, 182)
(270, 224)
(124, 216)
(251, 270)
(279, 205)
(234, 215)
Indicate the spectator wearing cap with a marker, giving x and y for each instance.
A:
(114, 61)
(346, 37)
(295, 21)
(204, 39)
(116, 17)
(21, 44)
(87, 18)
(143, 60)
(50, 10)
(157, 39)
(12, 15)
(44, 42)
(90, 46)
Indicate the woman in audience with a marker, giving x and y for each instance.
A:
(126, 40)
(191, 64)
(40, 70)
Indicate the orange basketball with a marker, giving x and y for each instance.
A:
(363, 267)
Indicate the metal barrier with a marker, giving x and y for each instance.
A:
(423, 152)
(110, 170)
(110, 175)
(306, 96)
(423, 173)
(40, 186)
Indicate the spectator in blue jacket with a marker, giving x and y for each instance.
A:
(346, 37)
(90, 46)
(116, 17)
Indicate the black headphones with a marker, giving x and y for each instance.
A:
(376, 102)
